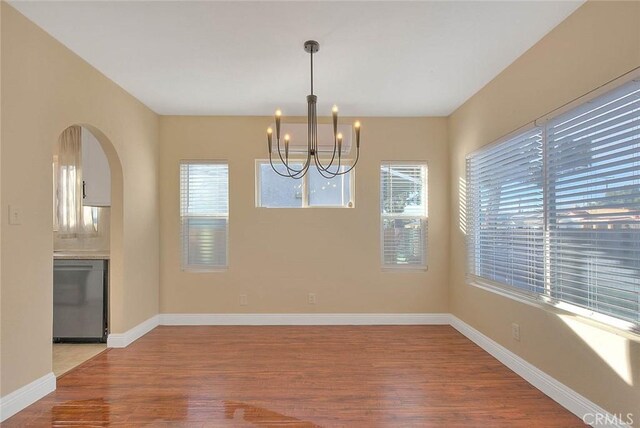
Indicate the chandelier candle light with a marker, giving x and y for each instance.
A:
(332, 169)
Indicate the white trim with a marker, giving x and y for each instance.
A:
(122, 340)
(17, 400)
(304, 319)
(346, 163)
(565, 396)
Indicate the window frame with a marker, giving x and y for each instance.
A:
(305, 186)
(424, 266)
(185, 267)
(545, 300)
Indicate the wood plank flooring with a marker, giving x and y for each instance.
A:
(302, 376)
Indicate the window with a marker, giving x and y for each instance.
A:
(204, 214)
(313, 190)
(403, 207)
(555, 211)
(593, 180)
(505, 197)
(71, 218)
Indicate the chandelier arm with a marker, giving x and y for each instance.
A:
(351, 167)
(330, 174)
(296, 176)
(285, 163)
(354, 163)
(333, 156)
(318, 162)
(307, 163)
(326, 174)
(291, 172)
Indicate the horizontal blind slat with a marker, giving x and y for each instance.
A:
(404, 210)
(204, 209)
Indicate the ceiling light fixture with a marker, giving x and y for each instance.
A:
(328, 171)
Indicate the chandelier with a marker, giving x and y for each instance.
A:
(331, 169)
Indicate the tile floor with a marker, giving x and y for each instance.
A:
(69, 355)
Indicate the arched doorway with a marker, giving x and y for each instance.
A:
(87, 200)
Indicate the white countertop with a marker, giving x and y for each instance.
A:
(80, 255)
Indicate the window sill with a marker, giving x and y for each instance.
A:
(192, 270)
(605, 322)
(393, 269)
(333, 207)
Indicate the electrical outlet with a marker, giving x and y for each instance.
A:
(312, 298)
(515, 331)
(15, 215)
(243, 300)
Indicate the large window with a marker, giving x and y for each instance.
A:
(555, 211)
(204, 214)
(403, 207)
(506, 222)
(312, 190)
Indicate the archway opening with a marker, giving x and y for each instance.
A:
(87, 243)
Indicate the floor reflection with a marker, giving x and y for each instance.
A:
(259, 416)
(94, 412)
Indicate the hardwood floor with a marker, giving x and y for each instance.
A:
(362, 376)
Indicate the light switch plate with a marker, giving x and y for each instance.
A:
(515, 331)
(15, 215)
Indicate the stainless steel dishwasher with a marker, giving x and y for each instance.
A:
(80, 300)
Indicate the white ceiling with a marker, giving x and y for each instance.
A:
(246, 58)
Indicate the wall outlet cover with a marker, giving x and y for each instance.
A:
(15, 215)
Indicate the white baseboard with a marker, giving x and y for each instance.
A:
(20, 398)
(580, 406)
(304, 319)
(122, 340)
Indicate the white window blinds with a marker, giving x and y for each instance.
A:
(204, 212)
(507, 228)
(403, 207)
(556, 211)
(593, 180)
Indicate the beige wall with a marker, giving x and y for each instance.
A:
(278, 256)
(599, 42)
(46, 88)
